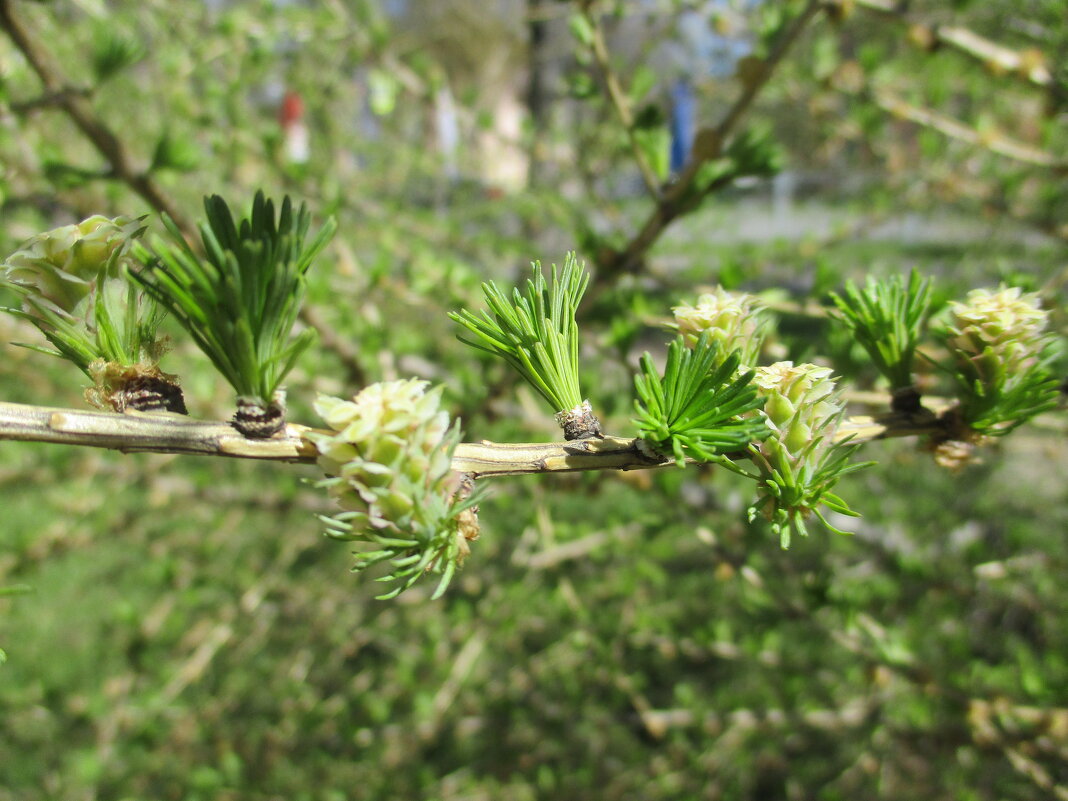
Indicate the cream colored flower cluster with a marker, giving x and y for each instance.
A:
(733, 320)
(389, 453)
(799, 463)
(801, 403)
(388, 464)
(61, 265)
(999, 332)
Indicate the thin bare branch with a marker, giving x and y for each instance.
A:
(756, 83)
(75, 102)
(948, 126)
(135, 432)
(851, 715)
(78, 107)
(1030, 65)
(47, 100)
(345, 350)
(987, 721)
(619, 100)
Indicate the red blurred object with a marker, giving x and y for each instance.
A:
(291, 110)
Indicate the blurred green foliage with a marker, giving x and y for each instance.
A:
(192, 636)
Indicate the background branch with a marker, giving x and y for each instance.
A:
(619, 100)
(994, 142)
(1030, 65)
(77, 106)
(60, 94)
(680, 198)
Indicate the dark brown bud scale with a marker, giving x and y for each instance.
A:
(579, 423)
(256, 421)
(149, 394)
(134, 387)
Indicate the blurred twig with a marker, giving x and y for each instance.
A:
(75, 103)
(618, 98)
(1030, 65)
(680, 197)
(77, 106)
(851, 715)
(989, 721)
(993, 199)
(346, 352)
(50, 99)
(462, 666)
(954, 129)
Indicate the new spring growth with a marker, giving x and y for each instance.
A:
(799, 463)
(61, 266)
(886, 318)
(73, 285)
(999, 344)
(535, 332)
(700, 408)
(734, 321)
(998, 333)
(239, 298)
(388, 466)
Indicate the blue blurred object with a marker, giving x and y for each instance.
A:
(682, 123)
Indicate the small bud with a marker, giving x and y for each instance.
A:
(579, 422)
(257, 420)
(779, 409)
(141, 387)
(797, 437)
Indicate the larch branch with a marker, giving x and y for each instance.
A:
(1030, 65)
(135, 432)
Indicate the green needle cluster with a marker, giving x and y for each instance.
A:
(696, 410)
(239, 301)
(121, 328)
(536, 333)
(885, 318)
(793, 486)
(73, 284)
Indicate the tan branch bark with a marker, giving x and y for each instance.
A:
(135, 432)
(948, 126)
(1030, 65)
(152, 433)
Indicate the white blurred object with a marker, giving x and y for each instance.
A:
(296, 139)
(448, 130)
